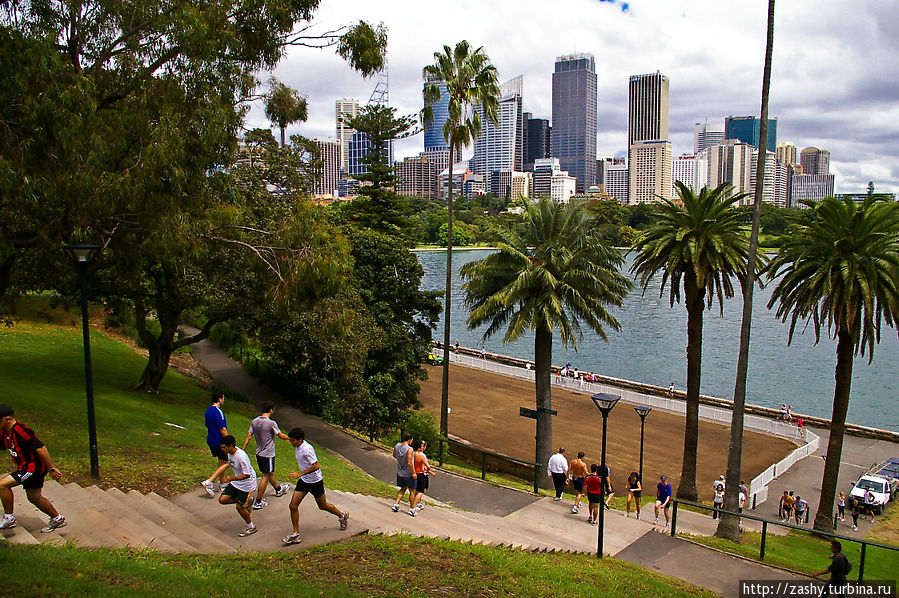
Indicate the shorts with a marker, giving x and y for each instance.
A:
(659, 503)
(421, 482)
(636, 493)
(608, 488)
(218, 453)
(593, 498)
(402, 482)
(266, 464)
(316, 489)
(30, 480)
(241, 497)
(578, 484)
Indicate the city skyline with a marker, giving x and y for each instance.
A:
(837, 100)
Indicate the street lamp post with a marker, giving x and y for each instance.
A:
(81, 255)
(642, 411)
(605, 402)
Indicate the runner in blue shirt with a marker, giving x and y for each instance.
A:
(663, 499)
(216, 428)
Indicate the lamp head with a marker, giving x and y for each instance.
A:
(605, 402)
(642, 410)
(82, 253)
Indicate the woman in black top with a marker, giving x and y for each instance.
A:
(634, 492)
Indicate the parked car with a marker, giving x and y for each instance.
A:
(882, 480)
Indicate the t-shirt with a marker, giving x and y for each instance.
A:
(801, 504)
(240, 463)
(719, 495)
(400, 452)
(215, 421)
(22, 444)
(264, 429)
(788, 502)
(839, 568)
(593, 484)
(557, 464)
(306, 458)
(663, 491)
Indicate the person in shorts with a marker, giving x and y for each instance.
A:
(405, 470)
(800, 507)
(309, 481)
(788, 503)
(593, 486)
(216, 429)
(33, 463)
(238, 489)
(422, 468)
(663, 499)
(577, 469)
(265, 429)
(634, 492)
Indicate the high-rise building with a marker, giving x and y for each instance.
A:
(345, 109)
(731, 162)
(434, 138)
(538, 134)
(417, 176)
(549, 179)
(649, 151)
(769, 188)
(358, 147)
(325, 182)
(691, 170)
(509, 183)
(574, 117)
(815, 161)
(786, 153)
(499, 146)
(747, 130)
(615, 180)
(706, 135)
(465, 183)
(810, 186)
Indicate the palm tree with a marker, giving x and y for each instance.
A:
(729, 525)
(284, 106)
(553, 275)
(468, 81)
(699, 242)
(840, 271)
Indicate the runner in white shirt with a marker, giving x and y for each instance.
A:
(240, 487)
(309, 481)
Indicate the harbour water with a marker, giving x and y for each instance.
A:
(651, 348)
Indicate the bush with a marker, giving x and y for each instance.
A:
(423, 425)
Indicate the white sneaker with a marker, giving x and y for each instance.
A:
(259, 504)
(56, 522)
(251, 529)
(9, 521)
(412, 512)
(667, 524)
(575, 510)
(344, 519)
(627, 514)
(656, 522)
(282, 490)
(208, 487)
(558, 498)
(292, 539)
(395, 508)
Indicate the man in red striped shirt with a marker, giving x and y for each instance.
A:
(32, 465)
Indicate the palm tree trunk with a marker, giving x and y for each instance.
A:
(283, 139)
(543, 347)
(729, 525)
(447, 298)
(843, 380)
(694, 299)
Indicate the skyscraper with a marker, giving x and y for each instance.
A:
(786, 153)
(706, 135)
(574, 117)
(649, 151)
(815, 161)
(434, 138)
(731, 162)
(747, 130)
(499, 146)
(325, 183)
(345, 109)
(538, 135)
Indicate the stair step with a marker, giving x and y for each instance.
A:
(129, 527)
(166, 534)
(69, 500)
(172, 517)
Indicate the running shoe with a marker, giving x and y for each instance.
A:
(412, 512)
(574, 509)
(558, 498)
(284, 489)
(249, 531)
(656, 522)
(208, 487)
(344, 519)
(259, 504)
(9, 521)
(56, 522)
(292, 539)
(395, 508)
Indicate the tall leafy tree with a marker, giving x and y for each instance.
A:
(555, 276)
(469, 80)
(840, 272)
(284, 106)
(698, 246)
(729, 525)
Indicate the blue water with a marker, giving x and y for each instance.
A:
(651, 348)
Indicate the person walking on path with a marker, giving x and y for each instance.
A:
(422, 468)
(800, 506)
(839, 569)
(265, 429)
(33, 463)
(309, 481)
(841, 507)
(663, 499)
(634, 492)
(671, 391)
(238, 489)
(593, 486)
(800, 429)
(718, 500)
(405, 470)
(557, 469)
(788, 504)
(606, 474)
(855, 516)
(216, 429)
(577, 469)
(869, 503)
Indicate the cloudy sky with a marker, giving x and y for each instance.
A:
(834, 82)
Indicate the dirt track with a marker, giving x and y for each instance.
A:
(484, 411)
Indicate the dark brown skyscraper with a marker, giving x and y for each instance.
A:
(574, 117)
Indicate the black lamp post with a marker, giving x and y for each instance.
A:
(81, 255)
(642, 411)
(605, 402)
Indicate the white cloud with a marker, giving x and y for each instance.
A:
(833, 84)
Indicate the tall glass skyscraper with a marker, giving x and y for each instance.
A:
(747, 129)
(434, 139)
(574, 117)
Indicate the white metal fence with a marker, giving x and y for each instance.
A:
(758, 487)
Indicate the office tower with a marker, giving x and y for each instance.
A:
(497, 145)
(731, 162)
(417, 176)
(686, 169)
(615, 180)
(814, 187)
(465, 183)
(358, 147)
(786, 153)
(345, 109)
(549, 179)
(649, 151)
(746, 129)
(782, 184)
(509, 183)
(574, 117)
(325, 181)
(769, 188)
(538, 134)
(434, 138)
(815, 161)
(706, 135)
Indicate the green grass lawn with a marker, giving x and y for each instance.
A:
(363, 566)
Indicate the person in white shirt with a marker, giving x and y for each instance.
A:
(557, 469)
(309, 481)
(239, 488)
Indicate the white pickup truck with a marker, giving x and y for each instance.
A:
(882, 481)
